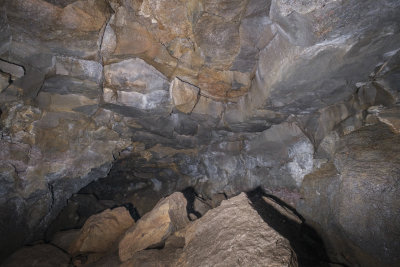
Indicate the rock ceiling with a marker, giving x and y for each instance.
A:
(221, 95)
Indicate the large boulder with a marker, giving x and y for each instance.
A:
(101, 231)
(168, 216)
(234, 234)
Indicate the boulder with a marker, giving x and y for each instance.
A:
(39, 255)
(234, 234)
(168, 216)
(101, 231)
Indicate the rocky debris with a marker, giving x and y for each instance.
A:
(38, 255)
(101, 231)
(227, 235)
(64, 239)
(353, 199)
(184, 95)
(168, 216)
(232, 234)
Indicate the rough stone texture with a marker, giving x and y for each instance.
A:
(14, 70)
(52, 158)
(101, 231)
(38, 255)
(95, 94)
(168, 216)
(135, 84)
(184, 95)
(225, 236)
(354, 199)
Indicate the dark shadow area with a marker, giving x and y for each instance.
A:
(284, 219)
(190, 194)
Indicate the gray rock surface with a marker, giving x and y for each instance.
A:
(276, 80)
(354, 198)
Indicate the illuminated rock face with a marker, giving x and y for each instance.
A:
(223, 96)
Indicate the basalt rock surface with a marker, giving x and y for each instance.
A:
(157, 96)
(354, 199)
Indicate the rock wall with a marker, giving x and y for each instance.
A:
(223, 96)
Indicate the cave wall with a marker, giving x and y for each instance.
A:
(223, 96)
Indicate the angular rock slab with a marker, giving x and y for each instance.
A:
(184, 95)
(153, 228)
(102, 230)
(40, 255)
(234, 235)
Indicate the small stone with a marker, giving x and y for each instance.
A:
(168, 216)
(101, 231)
(184, 95)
